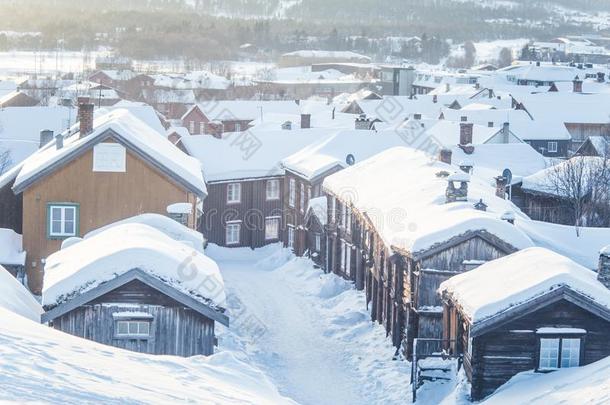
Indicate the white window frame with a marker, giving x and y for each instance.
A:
(302, 197)
(272, 189)
(291, 236)
(237, 127)
(292, 192)
(139, 332)
(318, 242)
(333, 207)
(192, 127)
(276, 227)
(551, 352)
(552, 147)
(63, 209)
(233, 193)
(202, 128)
(233, 233)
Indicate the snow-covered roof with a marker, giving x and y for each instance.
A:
(568, 107)
(516, 279)
(245, 109)
(332, 151)
(117, 74)
(398, 108)
(540, 129)
(16, 298)
(163, 224)
(318, 207)
(163, 95)
(119, 249)
(402, 191)
(20, 128)
(225, 159)
(552, 180)
(11, 249)
(447, 133)
(123, 125)
(543, 73)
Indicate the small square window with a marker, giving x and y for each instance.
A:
(552, 147)
(62, 220)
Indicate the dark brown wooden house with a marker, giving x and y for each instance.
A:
(315, 235)
(533, 310)
(398, 258)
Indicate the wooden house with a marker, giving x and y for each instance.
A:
(18, 99)
(594, 146)
(101, 171)
(246, 185)
(532, 310)
(134, 287)
(399, 224)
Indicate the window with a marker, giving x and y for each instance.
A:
(332, 209)
(109, 157)
(273, 189)
(232, 233)
(238, 127)
(192, 127)
(272, 228)
(292, 190)
(62, 220)
(290, 236)
(133, 328)
(552, 146)
(559, 353)
(234, 193)
(302, 196)
(318, 242)
(202, 127)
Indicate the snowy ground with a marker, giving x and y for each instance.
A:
(309, 332)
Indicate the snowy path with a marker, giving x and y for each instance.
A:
(319, 347)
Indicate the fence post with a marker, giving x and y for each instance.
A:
(414, 377)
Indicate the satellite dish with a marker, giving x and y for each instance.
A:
(350, 159)
(508, 175)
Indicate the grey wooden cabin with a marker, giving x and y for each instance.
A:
(139, 312)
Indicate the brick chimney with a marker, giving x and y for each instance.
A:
(46, 136)
(444, 155)
(85, 116)
(577, 85)
(417, 117)
(603, 270)
(305, 121)
(466, 133)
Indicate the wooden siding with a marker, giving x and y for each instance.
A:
(502, 353)
(175, 329)
(103, 197)
(251, 211)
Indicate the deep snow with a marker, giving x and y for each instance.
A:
(309, 331)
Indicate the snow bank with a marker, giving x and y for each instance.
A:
(518, 278)
(121, 248)
(168, 226)
(41, 363)
(15, 297)
(11, 250)
(578, 385)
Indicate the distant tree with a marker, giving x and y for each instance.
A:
(505, 58)
(470, 54)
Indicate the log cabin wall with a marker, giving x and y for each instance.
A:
(175, 329)
(252, 210)
(103, 198)
(514, 346)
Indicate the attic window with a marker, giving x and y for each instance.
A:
(133, 328)
(109, 157)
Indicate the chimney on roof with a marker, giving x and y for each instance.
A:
(447, 87)
(603, 270)
(477, 85)
(417, 117)
(466, 133)
(59, 141)
(444, 155)
(434, 98)
(490, 93)
(85, 116)
(362, 122)
(509, 217)
(305, 121)
(501, 183)
(480, 206)
(454, 193)
(463, 118)
(538, 63)
(46, 136)
(506, 132)
(577, 85)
